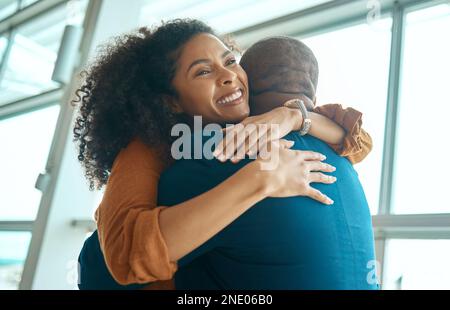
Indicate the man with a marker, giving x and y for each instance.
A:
(280, 243)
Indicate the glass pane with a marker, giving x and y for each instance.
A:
(34, 52)
(25, 3)
(22, 136)
(423, 136)
(3, 43)
(354, 70)
(236, 14)
(33, 55)
(417, 264)
(13, 252)
(8, 7)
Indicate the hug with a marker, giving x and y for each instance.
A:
(225, 222)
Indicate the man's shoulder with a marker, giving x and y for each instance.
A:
(310, 143)
(193, 173)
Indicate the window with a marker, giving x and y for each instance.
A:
(356, 75)
(25, 3)
(236, 14)
(32, 57)
(35, 45)
(423, 147)
(13, 251)
(22, 136)
(417, 264)
(9, 7)
(3, 42)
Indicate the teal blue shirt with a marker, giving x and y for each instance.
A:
(280, 243)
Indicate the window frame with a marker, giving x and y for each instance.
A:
(58, 95)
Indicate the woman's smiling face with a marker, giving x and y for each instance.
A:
(210, 82)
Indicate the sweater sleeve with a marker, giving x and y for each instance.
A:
(128, 218)
(357, 143)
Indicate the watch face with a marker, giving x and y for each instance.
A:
(306, 126)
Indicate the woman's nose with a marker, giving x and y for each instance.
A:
(227, 77)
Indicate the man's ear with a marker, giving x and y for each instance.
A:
(173, 104)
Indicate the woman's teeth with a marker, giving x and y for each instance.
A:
(230, 98)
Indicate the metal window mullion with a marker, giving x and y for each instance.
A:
(16, 226)
(19, 4)
(28, 13)
(31, 104)
(380, 248)
(390, 134)
(56, 153)
(6, 54)
(324, 17)
(387, 170)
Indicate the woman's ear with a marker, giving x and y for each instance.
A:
(173, 104)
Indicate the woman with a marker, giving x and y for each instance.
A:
(132, 96)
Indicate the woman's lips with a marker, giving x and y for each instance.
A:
(232, 99)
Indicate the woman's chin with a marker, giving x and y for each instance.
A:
(232, 115)
(238, 117)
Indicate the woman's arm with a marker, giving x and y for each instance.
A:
(357, 143)
(188, 225)
(340, 128)
(141, 242)
(325, 129)
(286, 120)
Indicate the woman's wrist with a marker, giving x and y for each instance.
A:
(296, 118)
(264, 186)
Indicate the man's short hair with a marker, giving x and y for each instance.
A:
(275, 63)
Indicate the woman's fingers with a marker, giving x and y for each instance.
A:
(258, 142)
(230, 131)
(317, 195)
(256, 137)
(310, 155)
(223, 149)
(318, 177)
(286, 144)
(240, 148)
(244, 140)
(320, 166)
(243, 149)
(231, 139)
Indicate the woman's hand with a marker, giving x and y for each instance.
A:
(255, 132)
(293, 173)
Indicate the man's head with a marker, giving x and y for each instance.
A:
(280, 68)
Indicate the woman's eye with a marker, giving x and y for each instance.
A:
(202, 72)
(231, 61)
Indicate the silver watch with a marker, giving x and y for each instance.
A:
(298, 104)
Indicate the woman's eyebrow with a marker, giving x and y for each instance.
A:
(199, 61)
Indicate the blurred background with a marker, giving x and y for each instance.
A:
(388, 59)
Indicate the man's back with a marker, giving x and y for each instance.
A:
(280, 243)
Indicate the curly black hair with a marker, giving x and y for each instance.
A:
(122, 94)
